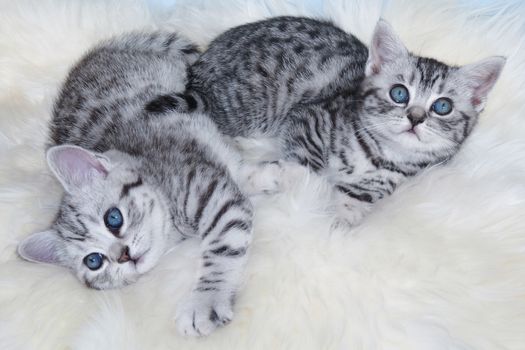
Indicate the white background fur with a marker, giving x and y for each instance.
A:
(439, 265)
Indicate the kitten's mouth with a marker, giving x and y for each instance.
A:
(413, 131)
(139, 258)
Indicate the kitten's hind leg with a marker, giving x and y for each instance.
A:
(222, 216)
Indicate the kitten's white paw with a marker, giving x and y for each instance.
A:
(262, 178)
(200, 313)
(340, 224)
(350, 213)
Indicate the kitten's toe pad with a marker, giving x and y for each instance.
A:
(200, 314)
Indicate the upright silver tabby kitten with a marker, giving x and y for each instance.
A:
(365, 118)
(139, 179)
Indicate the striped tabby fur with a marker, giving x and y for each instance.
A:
(325, 98)
(170, 174)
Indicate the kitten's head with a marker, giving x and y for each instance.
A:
(421, 104)
(111, 226)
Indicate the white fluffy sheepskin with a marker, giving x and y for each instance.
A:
(439, 265)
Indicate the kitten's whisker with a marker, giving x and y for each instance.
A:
(372, 126)
(435, 133)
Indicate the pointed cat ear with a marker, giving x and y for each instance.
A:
(76, 167)
(481, 77)
(41, 247)
(385, 47)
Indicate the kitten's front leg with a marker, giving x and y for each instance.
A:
(223, 219)
(354, 198)
(349, 211)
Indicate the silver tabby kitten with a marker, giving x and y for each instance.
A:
(365, 118)
(139, 178)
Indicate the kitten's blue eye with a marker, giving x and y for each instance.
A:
(442, 106)
(113, 219)
(399, 94)
(94, 261)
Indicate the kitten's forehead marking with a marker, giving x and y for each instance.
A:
(127, 187)
(135, 213)
(430, 72)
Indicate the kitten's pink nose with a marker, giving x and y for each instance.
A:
(416, 115)
(124, 255)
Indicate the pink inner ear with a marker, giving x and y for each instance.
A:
(74, 166)
(481, 77)
(78, 160)
(41, 247)
(476, 101)
(375, 69)
(386, 47)
(482, 89)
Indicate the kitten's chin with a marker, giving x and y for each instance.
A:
(405, 137)
(409, 140)
(423, 142)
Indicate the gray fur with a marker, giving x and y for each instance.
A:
(325, 98)
(122, 143)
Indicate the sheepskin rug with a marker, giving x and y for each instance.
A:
(438, 265)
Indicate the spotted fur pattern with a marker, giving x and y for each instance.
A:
(325, 97)
(121, 142)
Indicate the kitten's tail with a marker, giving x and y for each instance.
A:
(186, 102)
(177, 48)
(159, 42)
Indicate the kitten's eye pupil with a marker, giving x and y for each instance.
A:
(442, 106)
(113, 219)
(94, 261)
(399, 94)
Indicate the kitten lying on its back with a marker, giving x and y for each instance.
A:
(139, 179)
(366, 118)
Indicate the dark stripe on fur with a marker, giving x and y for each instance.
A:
(238, 224)
(363, 197)
(228, 251)
(127, 187)
(189, 181)
(204, 200)
(227, 206)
